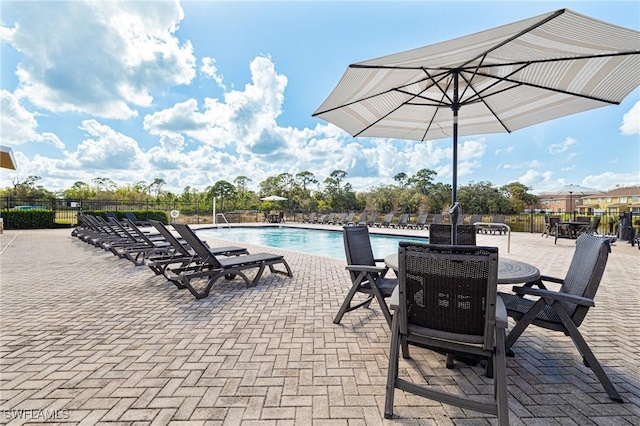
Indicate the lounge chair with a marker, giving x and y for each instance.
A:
(132, 217)
(420, 222)
(402, 222)
(181, 254)
(320, 219)
(366, 276)
(386, 221)
(138, 244)
(565, 309)
(310, 218)
(347, 220)
(498, 219)
(475, 218)
(338, 220)
(441, 234)
(446, 301)
(329, 219)
(372, 219)
(437, 219)
(363, 220)
(213, 268)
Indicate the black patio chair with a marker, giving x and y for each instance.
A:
(366, 276)
(565, 309)
(441, 234)
(446, 301)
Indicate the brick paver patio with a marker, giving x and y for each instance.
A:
(87, 338)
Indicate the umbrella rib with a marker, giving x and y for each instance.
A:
(378, 94)
(544, 61)
(516, 36)
(407, 102)
(551, 89)
(444, 95)
(482, 99)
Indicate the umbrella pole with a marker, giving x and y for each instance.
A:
(454, 209)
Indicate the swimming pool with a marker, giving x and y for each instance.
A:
(311, 241)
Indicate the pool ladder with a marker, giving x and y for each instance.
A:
(225, 219)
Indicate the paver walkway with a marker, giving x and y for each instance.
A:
(87, 338)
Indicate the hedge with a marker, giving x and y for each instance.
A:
(29, 219)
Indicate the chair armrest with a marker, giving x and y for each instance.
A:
(394, 301)
(551, 279)
(502, 319)
(364, 268)
(560, 297)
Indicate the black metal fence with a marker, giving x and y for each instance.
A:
(66, 212)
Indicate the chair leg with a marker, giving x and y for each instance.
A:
(587, 354)
(500, 378)
(524, 322)
(346, 305)
(392, 373)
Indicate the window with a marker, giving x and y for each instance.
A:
(622, 199)
(608, 199)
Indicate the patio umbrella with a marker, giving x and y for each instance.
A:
(498, 80)
(274, 198)
(572, 189)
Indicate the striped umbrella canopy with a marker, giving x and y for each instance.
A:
(494, 81)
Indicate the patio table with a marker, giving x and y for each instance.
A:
(510, 271)
(572, 229)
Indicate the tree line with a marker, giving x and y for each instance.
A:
(304, 192)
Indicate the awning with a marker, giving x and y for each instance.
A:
(6, 158)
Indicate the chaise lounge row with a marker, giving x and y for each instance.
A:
(494, 225)
(186, 261)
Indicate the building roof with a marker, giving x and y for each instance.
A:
(6, 158)
(627, 190)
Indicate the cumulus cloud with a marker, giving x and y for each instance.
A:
(107, 149)
(631, 121)
(19, 126)
(99, 58)
(608, 180)
(560, 147)
(209, 69)
(539, 181)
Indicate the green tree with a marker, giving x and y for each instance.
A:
(80, 190)
(224, 190)
(156, 186)
(338, 193)
(482, 197)
(518, 196)
(422, 181)
(402, 179)
(439, 197)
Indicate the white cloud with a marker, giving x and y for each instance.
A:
(209, 69)
(506, 150)
(107, 149)
(608, 180)
(539, 181)
(631, 121)
(561, 147)
(100, 58)
(19, 126)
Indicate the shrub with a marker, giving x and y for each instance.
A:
(28, 219)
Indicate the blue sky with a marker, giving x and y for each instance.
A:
(198, 91)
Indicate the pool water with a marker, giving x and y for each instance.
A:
(311, 241)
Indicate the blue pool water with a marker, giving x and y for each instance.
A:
(312, 241)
